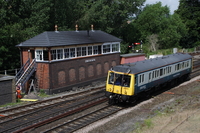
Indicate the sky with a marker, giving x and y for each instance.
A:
(172, 4)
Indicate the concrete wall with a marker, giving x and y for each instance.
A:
(7, 89)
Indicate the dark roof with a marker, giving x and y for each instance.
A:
(65, 38)
(142, 66)
(131, 55)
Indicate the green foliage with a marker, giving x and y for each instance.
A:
(124, 48)
(24, 19)
(189, 12)
(156, 19)
(43, 94)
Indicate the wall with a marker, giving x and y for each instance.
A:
(130, 58)
(69, 73)
(7, 90)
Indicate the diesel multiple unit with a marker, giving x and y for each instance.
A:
(126, 82)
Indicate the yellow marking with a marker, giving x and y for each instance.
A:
(33, 100)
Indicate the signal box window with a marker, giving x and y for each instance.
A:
(39, 55)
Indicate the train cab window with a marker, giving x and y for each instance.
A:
(111, 78)
(126, 80)
(119, 79)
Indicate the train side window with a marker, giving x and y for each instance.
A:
(164, 71)
(167, 70)
(161, 72)
(150, 76)
(142, 77)
(153, 75)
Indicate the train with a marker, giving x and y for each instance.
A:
(127, 82)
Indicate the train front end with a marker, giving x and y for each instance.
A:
(119, 87)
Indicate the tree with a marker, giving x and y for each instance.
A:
(189, 11)
(153, 41)
(110, 15)
(156, 20)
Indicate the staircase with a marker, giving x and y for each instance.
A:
(26, 72)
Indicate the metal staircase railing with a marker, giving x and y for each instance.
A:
(21, 71)
(26, 72)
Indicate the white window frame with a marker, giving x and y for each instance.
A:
(39, 55)
(115, 47)
(106, 48)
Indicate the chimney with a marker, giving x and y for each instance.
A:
(92, 27)
(88, 33)
(76, 28)
(56, 28)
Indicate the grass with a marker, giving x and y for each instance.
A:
(43, 94)
(12, 104)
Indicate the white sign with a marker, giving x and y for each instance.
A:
(91, 60)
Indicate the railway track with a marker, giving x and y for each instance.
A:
(63, 113)
(17, 111)
(47, 110)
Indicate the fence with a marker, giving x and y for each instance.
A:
(11, 72)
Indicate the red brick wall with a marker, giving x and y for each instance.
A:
(25, 56)
(42, 74)
(60, 74)
(80, 70)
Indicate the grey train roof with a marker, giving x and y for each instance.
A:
(142, 66)
(66, 38)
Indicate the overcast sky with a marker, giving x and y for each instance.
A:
(173, 4)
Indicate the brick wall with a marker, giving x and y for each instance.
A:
(42, 74)
(71, 72)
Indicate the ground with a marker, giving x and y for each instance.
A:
(177, 110)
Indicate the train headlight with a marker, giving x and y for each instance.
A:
(125, 92)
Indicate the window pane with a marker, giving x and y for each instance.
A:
(78, 51)
(115, 47)
(59, 53)
(66, 53)
(106, 48)
(53, 54)
(39, 55)
(45, 55)
(72, 52)
(95, 49)
(90, 50)
(84, 51)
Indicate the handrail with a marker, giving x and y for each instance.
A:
(22, 69)
(33, 61)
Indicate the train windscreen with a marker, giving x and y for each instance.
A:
(119, 79)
